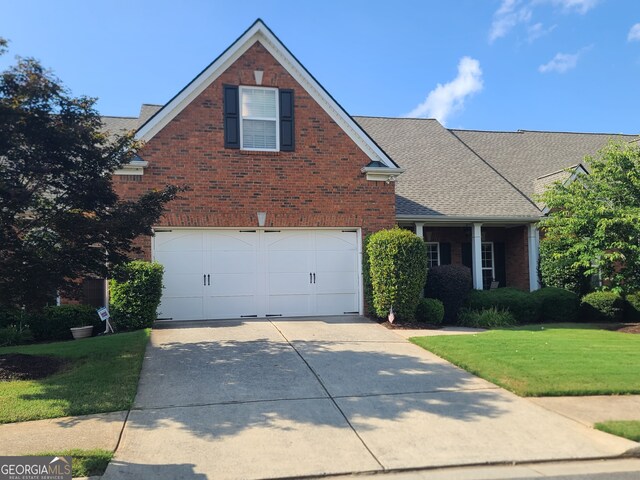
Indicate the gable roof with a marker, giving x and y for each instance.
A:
(443, 177)
(525, 156)
(259, 32)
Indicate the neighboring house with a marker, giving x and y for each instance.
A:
(284, 184)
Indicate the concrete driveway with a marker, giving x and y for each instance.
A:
(264, 398)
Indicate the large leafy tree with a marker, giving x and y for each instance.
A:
(593, 227)
(60, 218)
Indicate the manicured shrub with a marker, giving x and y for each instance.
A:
(557, 304)
(135, 291)
(602, 307)
(523, 305)
(486, 318)
(397, 267)
(451, 285)
(9, 316)
(366, 276)
(53, 323)
(632, 308)
(430, 310)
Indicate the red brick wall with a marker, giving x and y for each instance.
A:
(517, 257)
(318, 185)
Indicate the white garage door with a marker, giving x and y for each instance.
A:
(258, 273)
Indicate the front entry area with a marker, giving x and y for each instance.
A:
(215, 274)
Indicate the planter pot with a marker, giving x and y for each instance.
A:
(81, 332)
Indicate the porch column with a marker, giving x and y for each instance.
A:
(420, 229)
(476, 255)
(534, 251)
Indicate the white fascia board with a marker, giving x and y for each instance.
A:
(259, 32)
(381, 174)
(132, 168)
(577, 170)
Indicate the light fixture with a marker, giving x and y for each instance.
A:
(257, 74)
(262, 216)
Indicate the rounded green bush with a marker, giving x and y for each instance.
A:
(397, 262)
(557, 304)
(523, 305)
(632, 308)
(135, 293)
(602, 307)
(430, 310)
(486, 318)
(451, 285)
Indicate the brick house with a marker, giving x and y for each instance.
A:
(284, 184)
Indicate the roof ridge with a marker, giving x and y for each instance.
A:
(483, 131)
(579, 133)
(395, 118)
(118, 116)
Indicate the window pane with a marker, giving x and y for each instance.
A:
(433, 259)
(259, 134)
(258, 103)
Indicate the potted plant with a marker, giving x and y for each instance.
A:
(83, 321)
(82, 332)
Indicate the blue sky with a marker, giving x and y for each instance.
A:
(569, 65)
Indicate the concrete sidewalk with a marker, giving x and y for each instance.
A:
(593, 409)
(86, 432)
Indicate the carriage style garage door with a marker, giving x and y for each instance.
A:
(213, 274)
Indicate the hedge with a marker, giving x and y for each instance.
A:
(430, 310)
(524, 306)
(486, 318)
(632, 308)
(397, 267)
(451, 285)
(135, 292)
(602, 306)
(557, 304)
(53, 323)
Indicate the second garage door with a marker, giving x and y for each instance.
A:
(258, 273)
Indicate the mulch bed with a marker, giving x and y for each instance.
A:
(630, 329)
(18, 366)
(401, 325)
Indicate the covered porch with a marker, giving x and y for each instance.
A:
(499, 252)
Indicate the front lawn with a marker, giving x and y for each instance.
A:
(628, 428)
(546, 360)
(84, 463)
(101, 376)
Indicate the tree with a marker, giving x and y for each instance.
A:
(594, 222)
(60, 218)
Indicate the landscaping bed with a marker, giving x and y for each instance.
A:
(547, 360)
(18, 366)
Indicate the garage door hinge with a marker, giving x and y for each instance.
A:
(274, 314)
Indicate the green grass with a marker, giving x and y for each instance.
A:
(547, 360)
(85, 463)
(102, 377)
(623, 428)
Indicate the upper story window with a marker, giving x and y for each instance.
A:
(259, 119)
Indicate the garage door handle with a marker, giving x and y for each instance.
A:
(204, 280)
(208, 279)
(310, 277)
(314, 278)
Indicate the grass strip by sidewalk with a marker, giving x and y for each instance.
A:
(546, 360)
(85, 463)
(102, 376)
(623, 428)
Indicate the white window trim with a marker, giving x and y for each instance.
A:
(437, 244)
(493, 260)
(242, 118)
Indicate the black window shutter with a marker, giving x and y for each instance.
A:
(500, 266)
(231, 117)
(287, 131)
(445, 254)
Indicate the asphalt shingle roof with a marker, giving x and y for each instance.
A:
(443, 176)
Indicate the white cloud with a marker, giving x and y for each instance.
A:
(510, 14)
(579, 6)
(634, 33)
(537, 30)
(561, 63)
(446, 99)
